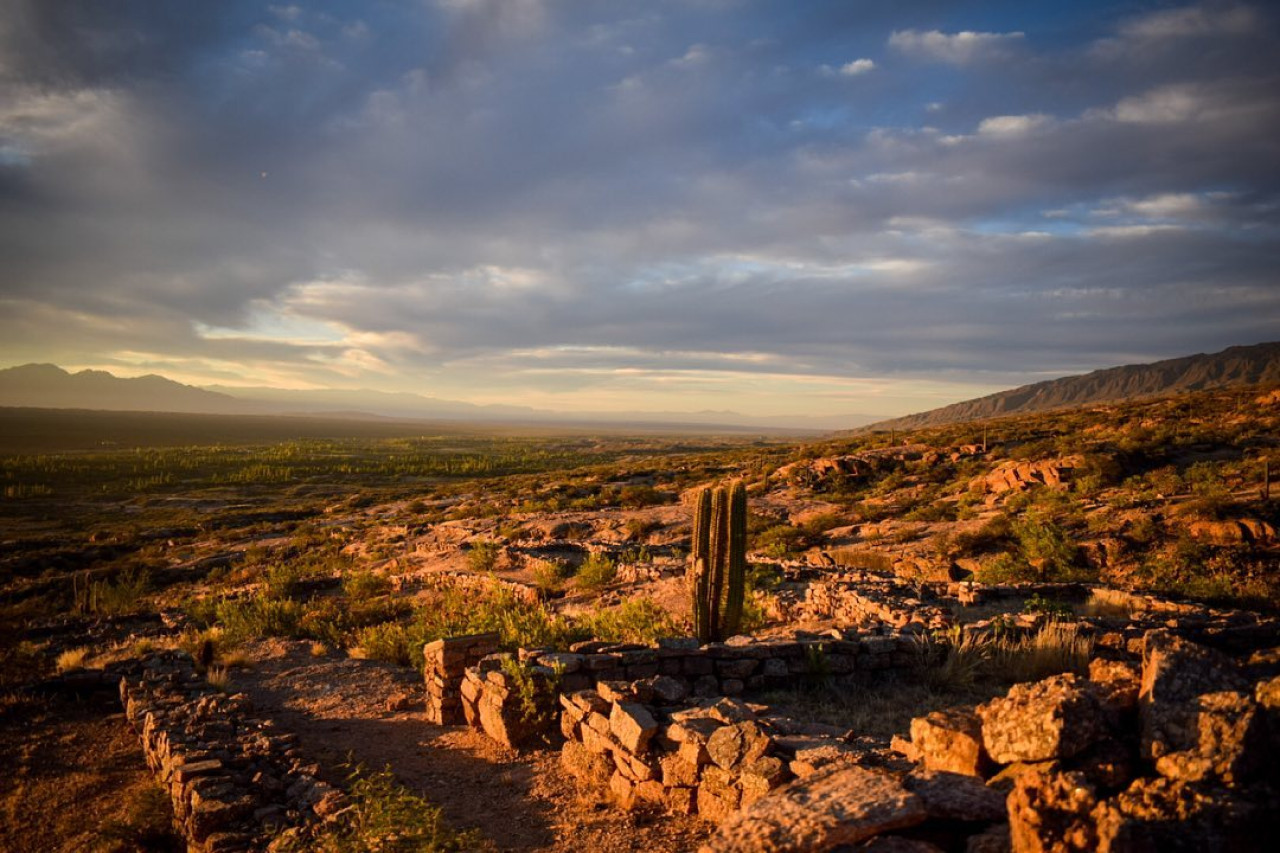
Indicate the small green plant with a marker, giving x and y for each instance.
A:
(365, 585)
(1047, 606)
(386, 816)
(637, 620)
(483, 556)
(112, 597)
(387, 641)
(596, 572)
(536, 692)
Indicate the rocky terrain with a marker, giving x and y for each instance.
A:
(1046, 632)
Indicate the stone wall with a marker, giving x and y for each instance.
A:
(640, 742)
(445, 666)
(510, 700)
(494, 700)
(234, 781)
(858, 599)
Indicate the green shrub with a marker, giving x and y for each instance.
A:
(113, 597)
(596, 571)
(365, 585)
(385, 816)
(388, 641)
(483, 556)
(780, 540)
(249, 618)
(638, 620)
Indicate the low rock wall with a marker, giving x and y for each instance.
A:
(444, 668)
(492, 703)
(234, 781)
(511, 701)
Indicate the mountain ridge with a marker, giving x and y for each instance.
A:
(52, 387)
(1234, 366)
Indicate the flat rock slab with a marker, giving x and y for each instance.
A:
(843, 804)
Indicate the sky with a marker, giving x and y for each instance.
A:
(807, 208)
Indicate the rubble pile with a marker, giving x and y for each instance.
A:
(643, 743)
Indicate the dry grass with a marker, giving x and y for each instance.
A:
(319, 649)
(962, 661)
(235, 659)
(219, 678)
(72, 659)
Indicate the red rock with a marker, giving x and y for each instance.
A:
(845, 804)
(951, 740)
(1053, 718)
(1050, 813)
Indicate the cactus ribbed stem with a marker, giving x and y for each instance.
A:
(737, 560)
(719, 557)
(718, 561)
(699, 567)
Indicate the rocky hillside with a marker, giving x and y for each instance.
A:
(1235, 366)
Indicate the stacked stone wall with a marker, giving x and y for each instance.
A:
(234, 781)
(444, 668)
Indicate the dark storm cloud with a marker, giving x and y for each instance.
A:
(736, 186)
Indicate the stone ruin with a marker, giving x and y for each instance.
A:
(1165, 743)
(1171, 740)
(234, 780)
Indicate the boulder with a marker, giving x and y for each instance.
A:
(955, 796)
(844, 804)
(950, 740)
(1175, 672)
(632, 725)
(1168, 815)
(1230, 740)
(1116, 683)
(1050, 813)
(732, 746)
(1054, 718)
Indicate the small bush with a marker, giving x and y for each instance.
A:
(863, 559)
(638, 620)
(483, 556)
(639, 529)
(386, 816)
(780, 540)
(388, 642)
(365, 585)
(596, 572)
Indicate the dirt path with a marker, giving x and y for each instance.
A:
(521, 802)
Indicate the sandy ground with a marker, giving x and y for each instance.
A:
(68, 766)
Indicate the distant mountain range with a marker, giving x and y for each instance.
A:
(48, 386)
(1235, 366)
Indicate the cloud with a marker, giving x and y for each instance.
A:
(857, 66)
(476, 202)
(1193, 22)
(1013, 125)
(960, 48)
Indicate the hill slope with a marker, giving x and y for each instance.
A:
(1244, 365)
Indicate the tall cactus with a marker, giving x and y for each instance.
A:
(719, 561)
(736, 576)
(700, 566)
